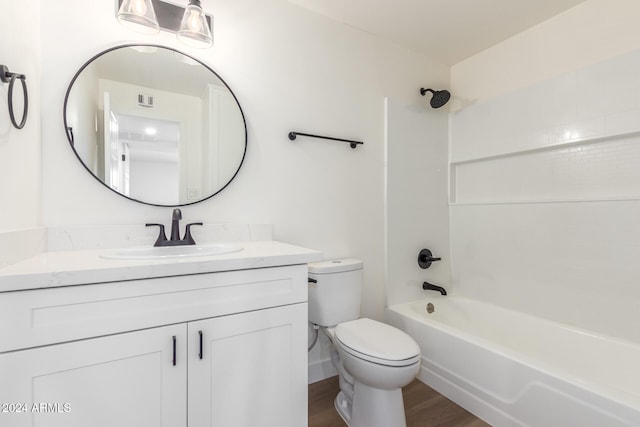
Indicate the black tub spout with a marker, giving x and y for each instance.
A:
(430, 287)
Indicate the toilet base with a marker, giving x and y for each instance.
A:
(371, 407)
(374, 407)
(343, 407)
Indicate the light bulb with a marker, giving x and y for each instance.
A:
(194, 29)
(139, 7)
(194, 21)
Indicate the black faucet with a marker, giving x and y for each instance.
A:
(175, 225)
(175, 232)
(429, 287)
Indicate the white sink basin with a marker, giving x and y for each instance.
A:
(160, 252)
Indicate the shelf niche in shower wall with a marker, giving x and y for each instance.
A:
(593, 169)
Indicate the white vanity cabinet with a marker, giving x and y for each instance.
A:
(252, 369)
(224, 349)
(126, 379)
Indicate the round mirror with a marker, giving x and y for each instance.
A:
(155, 125)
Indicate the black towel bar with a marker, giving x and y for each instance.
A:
(354, 144)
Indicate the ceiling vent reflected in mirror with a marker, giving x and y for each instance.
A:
(191, 25)
(145, 100)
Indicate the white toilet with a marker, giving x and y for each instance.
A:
(374, 360)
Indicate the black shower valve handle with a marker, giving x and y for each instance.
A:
(425, 258)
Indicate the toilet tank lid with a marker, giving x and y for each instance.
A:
(335, 266)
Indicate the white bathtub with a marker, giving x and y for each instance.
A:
(512, 369)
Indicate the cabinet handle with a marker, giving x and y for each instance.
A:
(174, 351)
(201, 352)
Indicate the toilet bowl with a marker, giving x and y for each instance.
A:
(377, 354)
(381, 360)
(374, 360)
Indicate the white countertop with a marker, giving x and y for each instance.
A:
(68, 268)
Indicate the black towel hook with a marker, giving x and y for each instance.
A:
(8, 77)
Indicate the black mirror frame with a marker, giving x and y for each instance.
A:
(70, 137)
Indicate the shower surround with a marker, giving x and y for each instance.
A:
(545, 195)
(542, 201)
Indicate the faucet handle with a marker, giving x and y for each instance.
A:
(425, 258)
(188, 239)
(162, 237)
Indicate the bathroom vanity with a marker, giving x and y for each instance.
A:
(200, 341)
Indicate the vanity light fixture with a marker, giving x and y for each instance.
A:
(191, 25)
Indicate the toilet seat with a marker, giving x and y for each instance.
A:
(377, 342)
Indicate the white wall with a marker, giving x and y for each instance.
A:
(291, 70)
(20, 188)
(416, 199)
(588, 33)
(21, 232)
(544, 188)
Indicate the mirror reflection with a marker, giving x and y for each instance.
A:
(155, 125)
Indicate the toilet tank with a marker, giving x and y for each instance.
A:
(335, 297)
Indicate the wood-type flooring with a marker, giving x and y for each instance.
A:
(424, 407)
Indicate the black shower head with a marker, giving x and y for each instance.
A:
(440, 97)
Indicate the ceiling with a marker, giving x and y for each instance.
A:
(445, 30)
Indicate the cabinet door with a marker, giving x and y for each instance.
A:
(124, 380)
(252, 370)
